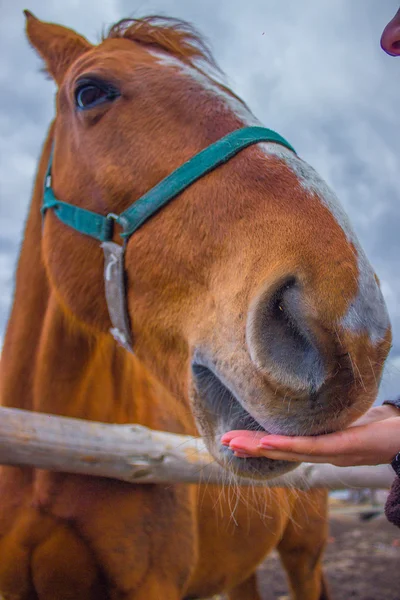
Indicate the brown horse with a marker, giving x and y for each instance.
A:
(251, 305)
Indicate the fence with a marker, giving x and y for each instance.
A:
(140, 455)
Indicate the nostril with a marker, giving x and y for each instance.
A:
(390, 40)
(395, 48)
(391, 47)
(283, 308)
(281, 341)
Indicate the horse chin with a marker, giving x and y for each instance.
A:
(253, 468)
(218, 411)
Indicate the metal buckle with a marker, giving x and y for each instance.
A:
(112, 217)
(114, 283)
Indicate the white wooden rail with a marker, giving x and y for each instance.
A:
(139, 455)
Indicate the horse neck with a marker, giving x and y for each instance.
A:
(52, 363)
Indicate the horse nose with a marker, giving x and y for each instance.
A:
(282, 338)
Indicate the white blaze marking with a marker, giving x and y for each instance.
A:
(233, 104)
(367, 312)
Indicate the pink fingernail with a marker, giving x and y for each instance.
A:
(242, 454)
(226, 438)
(266, 446)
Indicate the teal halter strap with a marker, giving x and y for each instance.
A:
(101, 227)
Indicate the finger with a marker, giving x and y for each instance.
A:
(242, 433)
(257, 452)
(341, 442)
(292, 457)
(239, 454)
(242, 448)
(307, 447)
(249, 444)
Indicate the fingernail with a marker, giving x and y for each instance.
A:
(225, 442)
(242, 454)
(266, 446)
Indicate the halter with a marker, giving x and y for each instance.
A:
(101, 227)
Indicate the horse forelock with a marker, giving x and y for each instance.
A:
(175, 36)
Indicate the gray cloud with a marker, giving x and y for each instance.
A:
(314, 71)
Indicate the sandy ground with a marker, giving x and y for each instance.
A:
(362, 562)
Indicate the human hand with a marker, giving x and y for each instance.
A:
(371, 440)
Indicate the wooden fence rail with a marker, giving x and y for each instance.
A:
(139, 455)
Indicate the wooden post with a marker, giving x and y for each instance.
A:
(140, 455)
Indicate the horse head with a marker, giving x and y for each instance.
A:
(249, 296)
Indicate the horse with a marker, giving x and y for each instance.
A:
(241, 299)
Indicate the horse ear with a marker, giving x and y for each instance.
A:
(58, 46)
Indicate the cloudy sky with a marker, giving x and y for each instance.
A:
(311, 69)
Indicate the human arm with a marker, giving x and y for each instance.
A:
(373, 439)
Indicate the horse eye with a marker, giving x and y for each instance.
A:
(90, 94)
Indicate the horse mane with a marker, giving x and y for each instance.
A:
(175, 36)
